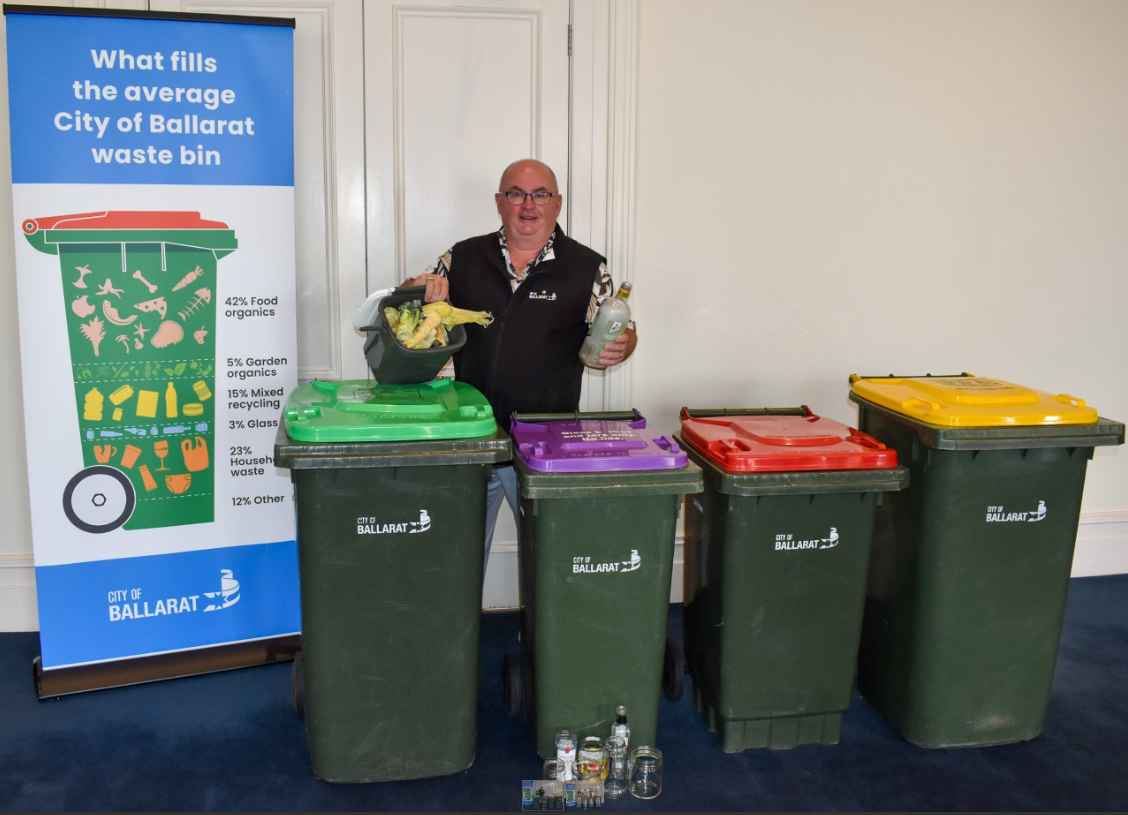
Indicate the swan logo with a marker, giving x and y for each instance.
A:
(228, 594)
(373, 526)
(999, 514)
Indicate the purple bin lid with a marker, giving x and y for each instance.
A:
(579, 445)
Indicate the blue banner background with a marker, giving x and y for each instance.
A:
(77, 625)
(48, 53)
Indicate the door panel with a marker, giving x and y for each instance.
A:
(454, 93)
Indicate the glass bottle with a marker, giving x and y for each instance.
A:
(619, 726)
(618, 768)
(609, 322)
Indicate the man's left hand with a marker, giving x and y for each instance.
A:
(618, 349)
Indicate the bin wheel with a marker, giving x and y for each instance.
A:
(99, 499)
(673, 672)
(511, 685)
(297, 690)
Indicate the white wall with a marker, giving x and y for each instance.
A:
(827, 187)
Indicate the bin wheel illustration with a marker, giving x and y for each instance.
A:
(99, 499)
(511, 684)
(297, 690)
(673, 672)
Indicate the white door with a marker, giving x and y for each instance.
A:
(453, 94)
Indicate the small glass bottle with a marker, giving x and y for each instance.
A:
(566, 752)
(609, 322)
(618, 768)
(619, 726)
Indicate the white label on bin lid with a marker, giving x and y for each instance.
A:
(998, 514)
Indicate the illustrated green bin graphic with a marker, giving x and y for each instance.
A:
(390, 489)
(140, 294)
(599, 500)
(971, 564)
(777, 549)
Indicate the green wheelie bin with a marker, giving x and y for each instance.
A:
(971, 564)
(390, 489)
(599, 499)
(777, 551)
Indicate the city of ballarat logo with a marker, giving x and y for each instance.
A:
(999, 514)
(788, 543)
(542, 295)
(374, 526)
(583, 565)
(228, 594)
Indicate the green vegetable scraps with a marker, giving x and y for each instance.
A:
(420, 326)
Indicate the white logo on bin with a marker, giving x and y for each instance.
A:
(998, 514)
(374, 526)
(583, 565)
(228, 594)
(788, 543)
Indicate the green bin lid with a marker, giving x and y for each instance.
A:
(364, 410)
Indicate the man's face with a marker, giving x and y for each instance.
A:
(526, 222)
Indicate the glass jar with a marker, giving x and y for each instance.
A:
(646, 772)
(591, 759)
(566, 752)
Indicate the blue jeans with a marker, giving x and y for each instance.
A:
(503, 484)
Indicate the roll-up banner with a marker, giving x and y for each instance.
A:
(153, 197)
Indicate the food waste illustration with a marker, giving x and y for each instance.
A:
(140, 299)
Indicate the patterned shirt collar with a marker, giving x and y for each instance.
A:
(545, 253)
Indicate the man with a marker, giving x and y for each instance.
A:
(543, 289)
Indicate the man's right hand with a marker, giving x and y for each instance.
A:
(438, 287)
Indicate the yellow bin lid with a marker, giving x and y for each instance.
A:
(971, 401)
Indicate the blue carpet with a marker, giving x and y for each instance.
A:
(231, 742)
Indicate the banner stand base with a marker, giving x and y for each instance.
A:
(175, 665)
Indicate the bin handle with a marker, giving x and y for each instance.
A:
(855, 377)
(1071, 400)
(864, 439)
(706, 413)
(631, 415)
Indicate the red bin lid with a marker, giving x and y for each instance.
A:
(767, 442)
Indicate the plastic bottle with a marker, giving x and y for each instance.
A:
(619, 726)
(170, 401)
(608, 323)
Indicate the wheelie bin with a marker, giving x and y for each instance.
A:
(140, 293)
(599, 500)
(971, 564)
(390, 489)
(777, 549)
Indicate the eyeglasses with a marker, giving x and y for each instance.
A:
(540, 197)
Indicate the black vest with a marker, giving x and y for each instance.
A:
(526, 361)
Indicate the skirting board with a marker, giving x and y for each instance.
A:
(1102, 548)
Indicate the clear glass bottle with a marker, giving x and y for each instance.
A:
(619, 768)
(609, 322)
(619, 726)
